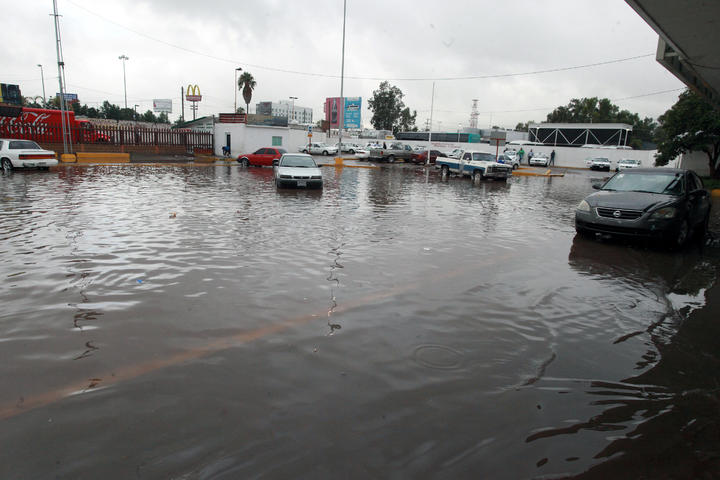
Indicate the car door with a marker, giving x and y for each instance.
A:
(698, 199)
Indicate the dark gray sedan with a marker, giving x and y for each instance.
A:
(664, 203)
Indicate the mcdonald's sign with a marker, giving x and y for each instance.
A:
(192, 94)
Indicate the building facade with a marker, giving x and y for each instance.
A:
(285, 108)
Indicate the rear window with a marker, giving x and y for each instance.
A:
(23, 145)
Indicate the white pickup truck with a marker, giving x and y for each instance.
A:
(478, 165)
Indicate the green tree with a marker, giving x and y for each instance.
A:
(523, 127)
(110, 111)
(240, 110)
(247, 83)
(407, 121)
(594, 110)
(149, 116)
(387, 107)
(692, 124)
(163, 118)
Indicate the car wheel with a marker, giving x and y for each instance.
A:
(477, 176)
(680, 236)
(583, 232)
(275, 162)
(391, 159)
(7, 165)
(617, 169)
(445, 171)
(351, 152)
(515, 166)
(304, 151)
(704, 226)
(325, 152)
(244, 162)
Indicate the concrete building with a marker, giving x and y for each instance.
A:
(285, 108)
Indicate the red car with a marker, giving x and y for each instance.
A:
(264, 157)
(420, 157)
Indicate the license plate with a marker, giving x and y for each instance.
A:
(302, 183)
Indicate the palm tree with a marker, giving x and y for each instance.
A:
(247, 83)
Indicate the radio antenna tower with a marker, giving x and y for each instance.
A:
(64, 117)
(474, 114)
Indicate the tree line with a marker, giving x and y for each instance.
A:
(107, 110)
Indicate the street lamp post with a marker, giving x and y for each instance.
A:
(123, 58)
(136, 116)
(293, 107)
(458, 133)
(237, 87)
(42, 77)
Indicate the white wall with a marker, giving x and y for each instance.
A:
(564, 156)
(697, 161)
(248, 138)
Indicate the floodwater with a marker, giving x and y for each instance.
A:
(194, 322)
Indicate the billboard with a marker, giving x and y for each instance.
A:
(349, 112)
(162, 105)
(69, 97)
(351, 119)
(10, 94)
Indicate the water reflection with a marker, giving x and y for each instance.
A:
(662, 415)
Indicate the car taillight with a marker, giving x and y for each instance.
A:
(36, 156)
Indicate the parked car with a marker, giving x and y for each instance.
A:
(478, 165)
(627, 163)
(598, 163)
(421, 157)
(510, 157)
(298, 170)
(362, 153)
(669, 203)
(394, 151)
(319, 149)
(455, 153)
(263, 157)
(350, 147)
(539, 161)
(16, 153)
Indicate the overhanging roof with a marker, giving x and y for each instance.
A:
(689, 43)
(598, 126)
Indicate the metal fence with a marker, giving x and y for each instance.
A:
(109, 135)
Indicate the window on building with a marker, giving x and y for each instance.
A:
(277, 141)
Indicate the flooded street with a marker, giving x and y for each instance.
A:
(194, 322)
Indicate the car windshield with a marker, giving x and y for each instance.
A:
(483, 157)
(297, 161)
(666, 183)
(23, 145)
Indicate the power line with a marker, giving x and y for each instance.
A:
(324, 75)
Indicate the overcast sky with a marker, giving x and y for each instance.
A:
(293, 48)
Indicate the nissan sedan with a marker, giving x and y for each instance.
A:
(665, 203)
(298, 170)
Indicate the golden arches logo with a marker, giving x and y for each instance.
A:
(192, 94)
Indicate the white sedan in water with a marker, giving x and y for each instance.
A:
(298, 170)
(16, 153)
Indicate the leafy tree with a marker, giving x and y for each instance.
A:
(247, 83)
(691, 124)
(523, 127)
(240, 110)
(149, 116)
(594, 110)
(110, 111)
(127, 114)
(163, 118)
(407, 120)
(387, 107)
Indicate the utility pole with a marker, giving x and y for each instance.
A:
(42, 77)
(124, 57)
(182, 103)
(342, 80)
(64, 118)
(237, 87)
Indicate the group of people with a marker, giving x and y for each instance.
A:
(521, 154)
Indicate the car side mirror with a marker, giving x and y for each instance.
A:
(596, 186)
